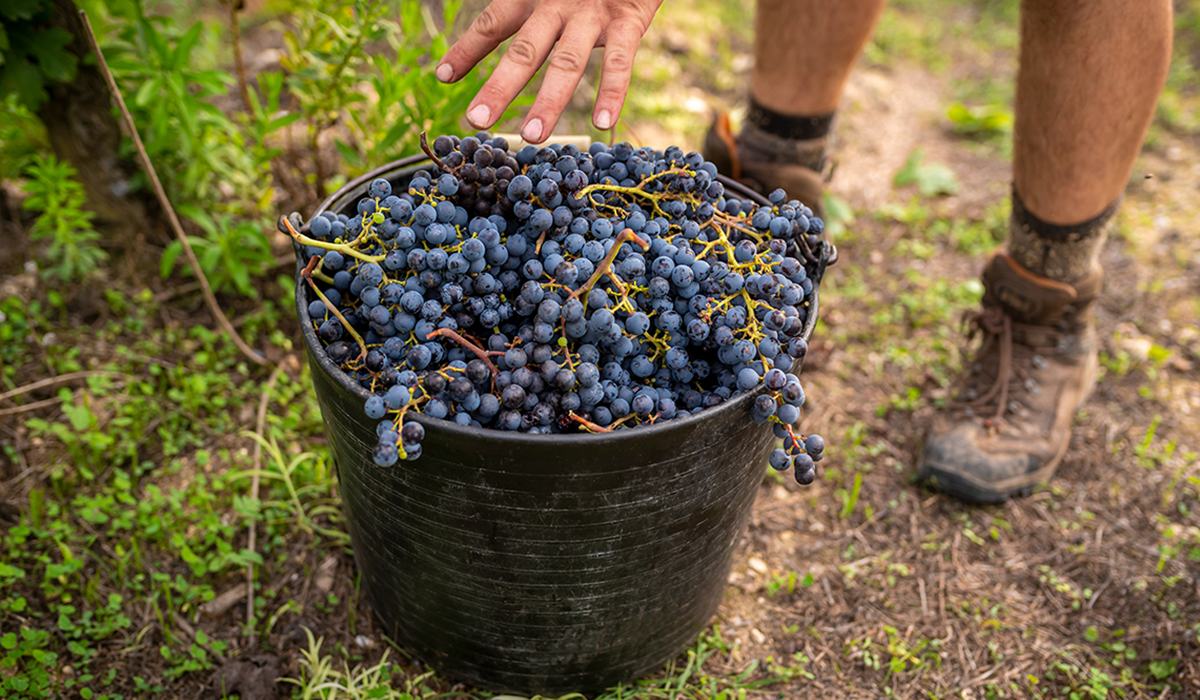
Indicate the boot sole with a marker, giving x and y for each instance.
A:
(965, 487)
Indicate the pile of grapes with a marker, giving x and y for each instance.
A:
(556, 290)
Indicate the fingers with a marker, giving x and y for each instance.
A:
(620, 47)
(526, 53)
(497, 22)
(563, 72)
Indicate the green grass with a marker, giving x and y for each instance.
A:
(328, 678)
(140, 519)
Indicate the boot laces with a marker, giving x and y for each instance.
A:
(996, 327)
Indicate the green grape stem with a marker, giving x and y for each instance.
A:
(639, 190)
(343, 248)
(307, 274)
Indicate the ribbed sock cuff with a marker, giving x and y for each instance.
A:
(1057, 252)
(789, 126)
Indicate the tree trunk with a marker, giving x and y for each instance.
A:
(84, 132)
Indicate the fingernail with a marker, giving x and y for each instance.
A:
(532, 131)
(480, 117)
(604, 120)
(445, 72)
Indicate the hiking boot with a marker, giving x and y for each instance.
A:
(764, 162)
(1009, 426)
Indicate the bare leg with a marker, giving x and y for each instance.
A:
(804, 51)
(1090, 75)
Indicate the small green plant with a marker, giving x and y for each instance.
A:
(303, 500)
(29, 665)
(850, 498)
(909, 656)
(931, 179)
(786, 583)
(321, 678)
(980, 122)
(230, 252)
(72, 252)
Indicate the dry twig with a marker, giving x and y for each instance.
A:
(61, 379)
(151, 173)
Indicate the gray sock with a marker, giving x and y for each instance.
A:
(1061, 253)
(758, 146)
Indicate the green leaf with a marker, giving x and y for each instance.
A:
(23, 78)
(49, 48)
(285, 120)
(170, 255)
(1162, 669)
(19, 9)
(931, 180)
(183, 49)
(348, 152)
(209, 258)
(992, 119)
(152, 37)
(147, 92)
(188, 555)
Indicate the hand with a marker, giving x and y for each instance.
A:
(535, 25)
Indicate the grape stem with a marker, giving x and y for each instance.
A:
(478, 351)
(339, 247)
(639, 190)
(735, 224)
(796, 439)
(433, 156)
(307, 274)
(605, 265)
(587, 424)
(619, 421)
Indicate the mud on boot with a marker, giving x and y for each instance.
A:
(1009, 425)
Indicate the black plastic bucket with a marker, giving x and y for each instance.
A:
(541, 563)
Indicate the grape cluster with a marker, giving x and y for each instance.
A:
(554, 290)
